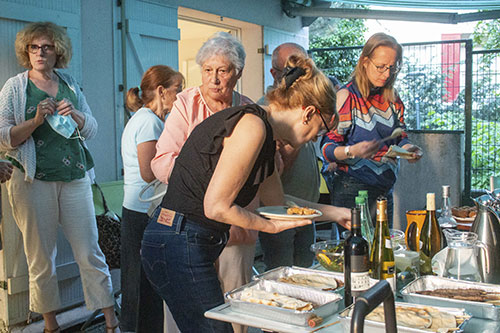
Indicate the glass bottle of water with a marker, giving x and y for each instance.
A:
(366, 229)
(446, 220)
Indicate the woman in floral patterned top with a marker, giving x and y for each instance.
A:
(44, 120)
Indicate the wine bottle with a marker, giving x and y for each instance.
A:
(356, 261)
(364, 216)
(381, 255)
(431, 237)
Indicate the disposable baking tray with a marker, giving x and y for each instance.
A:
(476, 309)
(286, 271)
(378, 327)
(326, 303)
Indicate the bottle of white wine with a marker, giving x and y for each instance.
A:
(431, 237)
(356, 261)
(382, 265)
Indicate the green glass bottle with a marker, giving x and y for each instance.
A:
(382, 266)
(431, 237)
(364, 194)
(364, 216)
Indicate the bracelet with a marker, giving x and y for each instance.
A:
(347, 152)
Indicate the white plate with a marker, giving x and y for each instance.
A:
(464, 219)
(279, 213)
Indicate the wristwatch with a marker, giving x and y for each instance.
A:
(347, 152)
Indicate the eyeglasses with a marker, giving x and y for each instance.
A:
(324, 130)
(382, 68)
(33, 48)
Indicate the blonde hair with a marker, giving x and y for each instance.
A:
(311, 88)
(50, 30)
(159, 75)
(359, 74)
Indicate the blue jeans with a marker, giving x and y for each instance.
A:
(345, 190)
(289, 247)
(142, 308)
(179, 263)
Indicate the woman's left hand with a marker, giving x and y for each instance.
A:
(66, 108)
(416, 150)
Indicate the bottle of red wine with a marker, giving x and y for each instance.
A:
(356, 261)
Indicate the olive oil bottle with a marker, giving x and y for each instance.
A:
(382, 265)
(431, 237)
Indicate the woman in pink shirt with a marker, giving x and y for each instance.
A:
(221, 59)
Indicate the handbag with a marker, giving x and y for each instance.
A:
(108, 228)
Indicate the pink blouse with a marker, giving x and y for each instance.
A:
(188, 110)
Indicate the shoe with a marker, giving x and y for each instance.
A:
(56, 330)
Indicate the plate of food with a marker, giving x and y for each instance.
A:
(288, 213)
(396, 151)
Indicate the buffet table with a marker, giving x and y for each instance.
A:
(225, 313)
(232, 312)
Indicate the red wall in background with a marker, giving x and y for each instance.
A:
(450, 64)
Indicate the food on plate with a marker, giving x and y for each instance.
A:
(313, 280)
(426, 318)
(295, 210)
(395, 151)
(464, 211)
(253, 295)
(465, 294)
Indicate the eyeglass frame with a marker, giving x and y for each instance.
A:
(327, 129)
(46, 48)
(381, 69)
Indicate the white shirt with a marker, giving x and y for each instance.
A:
(144, 126)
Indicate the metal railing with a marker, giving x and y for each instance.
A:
(445, 85)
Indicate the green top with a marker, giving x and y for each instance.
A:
(57, 158)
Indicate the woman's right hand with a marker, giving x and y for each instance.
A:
(365, 149)
(44, 108)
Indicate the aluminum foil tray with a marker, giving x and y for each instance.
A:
(378, 327)
(326, 303)
(476, 309)
(286, 271)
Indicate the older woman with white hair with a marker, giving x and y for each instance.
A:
(221, 59)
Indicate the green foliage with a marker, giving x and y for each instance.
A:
(345, 32)
(487, 34)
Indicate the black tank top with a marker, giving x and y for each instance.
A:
(199, 156)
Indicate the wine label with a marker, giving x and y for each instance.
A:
(360, 281)
(388, 269)
(388, 243)
(360, 263)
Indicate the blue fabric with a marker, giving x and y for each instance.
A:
(179, 263)
(288, 248)
(345, 190)
(142, 308)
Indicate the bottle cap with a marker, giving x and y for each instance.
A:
(359, 200)
(381, 209)
(431, 201)
(363, 193)
(446, 191)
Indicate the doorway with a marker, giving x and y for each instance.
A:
(196, 27)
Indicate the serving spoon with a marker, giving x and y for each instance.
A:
(396, 133)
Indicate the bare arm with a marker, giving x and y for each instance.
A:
(145, 153)
(20, 133)
(231, 174)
